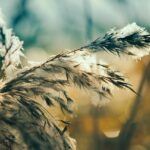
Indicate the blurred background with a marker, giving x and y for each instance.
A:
(50, 26)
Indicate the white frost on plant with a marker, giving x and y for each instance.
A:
(131, 40)
(2, 22)
(10, 50)
(136, 52)
(130, 29)
(90, 63)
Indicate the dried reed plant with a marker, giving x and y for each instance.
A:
(25, 123)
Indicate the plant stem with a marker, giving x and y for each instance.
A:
(129, 127)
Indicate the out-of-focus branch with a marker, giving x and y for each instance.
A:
(129, 127)
(22, 12)
(89, 20)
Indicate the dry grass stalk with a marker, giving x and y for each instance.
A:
(24, 121)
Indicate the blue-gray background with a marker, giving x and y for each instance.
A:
(57, 24)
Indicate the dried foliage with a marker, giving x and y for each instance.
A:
(131, 40)
(25, 123)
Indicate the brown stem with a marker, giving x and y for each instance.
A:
(128, 129)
